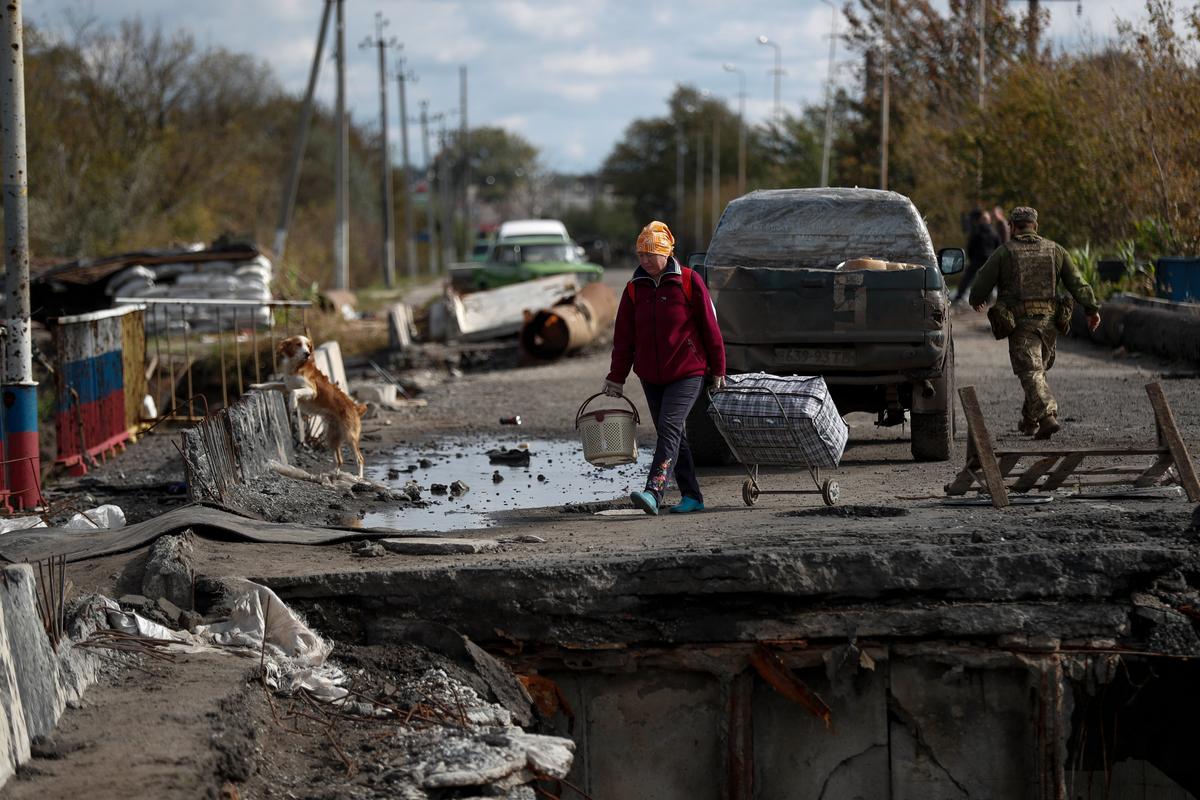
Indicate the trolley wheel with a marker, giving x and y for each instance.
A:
(830, 492)
(749, 492)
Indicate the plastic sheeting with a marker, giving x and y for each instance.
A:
(818, 228)
(294, 655)
(260, 618)
(106, 517)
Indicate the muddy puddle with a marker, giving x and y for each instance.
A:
(556, 474)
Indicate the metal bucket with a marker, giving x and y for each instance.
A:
(609, 435)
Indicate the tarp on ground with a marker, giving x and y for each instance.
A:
(37, 544)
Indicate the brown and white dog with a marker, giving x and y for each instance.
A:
(318, 396)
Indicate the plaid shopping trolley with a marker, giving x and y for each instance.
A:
(768, 420)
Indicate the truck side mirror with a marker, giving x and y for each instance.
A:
(951, 260)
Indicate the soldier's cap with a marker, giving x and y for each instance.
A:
(1023, 214)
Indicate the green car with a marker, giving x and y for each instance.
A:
(525, 258)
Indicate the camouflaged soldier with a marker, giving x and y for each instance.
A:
(1025, 272)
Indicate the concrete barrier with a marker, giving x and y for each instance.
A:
(36, 683)
(237, 444)
(1158, 327)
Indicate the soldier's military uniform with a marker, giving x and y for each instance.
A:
(1025, 272)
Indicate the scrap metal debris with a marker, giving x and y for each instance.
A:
(771, 668)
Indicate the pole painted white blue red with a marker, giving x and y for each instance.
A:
(19, 394)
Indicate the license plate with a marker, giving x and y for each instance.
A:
(815, 356)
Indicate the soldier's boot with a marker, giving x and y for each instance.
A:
(1047, 427)
(1028, 427)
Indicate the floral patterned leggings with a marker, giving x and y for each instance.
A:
(669, 406)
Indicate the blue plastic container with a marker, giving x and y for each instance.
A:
(1178, 278)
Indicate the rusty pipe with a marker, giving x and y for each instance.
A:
(553, 332)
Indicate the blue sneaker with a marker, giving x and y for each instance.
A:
(646, 502)
(687, 505)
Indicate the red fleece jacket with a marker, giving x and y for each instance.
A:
(663, 336)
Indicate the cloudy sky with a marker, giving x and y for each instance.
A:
(568, 75)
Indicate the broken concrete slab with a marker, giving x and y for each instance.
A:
(497, 680)
(36, 683)
(495, 760)
(435, 546)
(260, 424)
(169, 573)
(374, 392)
(172, 611)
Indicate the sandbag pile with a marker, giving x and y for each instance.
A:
(202, 280)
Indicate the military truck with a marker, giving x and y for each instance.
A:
(881, 337)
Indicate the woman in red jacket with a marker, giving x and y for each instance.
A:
(666, 330)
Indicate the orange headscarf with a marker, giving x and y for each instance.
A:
(656, 238)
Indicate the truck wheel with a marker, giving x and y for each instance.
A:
(931, 436)
(933, 433)
(707, 445)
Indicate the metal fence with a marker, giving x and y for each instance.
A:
(180, 331)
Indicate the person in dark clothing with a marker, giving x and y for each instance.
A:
(666, 331)
(981, 243)
(1000, 222)
(1025, 272)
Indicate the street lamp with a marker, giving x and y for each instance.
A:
(777, 72)
(741, 182)
(680, 149)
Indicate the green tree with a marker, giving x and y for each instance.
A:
(139, 138)
(643, 166)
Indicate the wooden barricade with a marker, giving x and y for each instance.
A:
(1045, 467)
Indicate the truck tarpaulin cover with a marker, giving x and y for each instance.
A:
(818, 229)
(771, 270)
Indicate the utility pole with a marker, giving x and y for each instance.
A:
(410, 244)
(1031, 28)
(464, 141)
(982, 84)
(828, 144)
(716, 169)
(341, 231)
(887, 68)
(430, 225)
(20, 389)
(287, 203)
(982, 49)
(389, 209)
(445, 193)
(699, 241)
(741, 179)
(679, 168)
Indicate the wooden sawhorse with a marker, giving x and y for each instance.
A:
(992, 470)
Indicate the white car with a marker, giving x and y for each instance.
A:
(532, 227)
